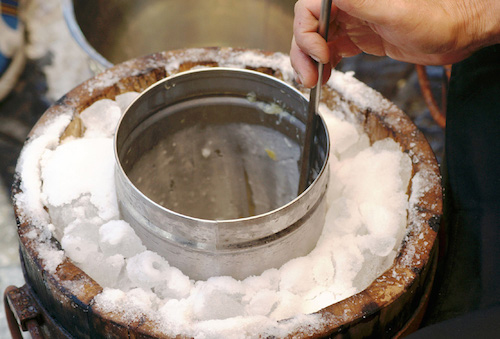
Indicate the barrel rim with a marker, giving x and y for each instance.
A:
(425, 208)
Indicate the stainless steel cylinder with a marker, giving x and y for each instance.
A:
(208, 169)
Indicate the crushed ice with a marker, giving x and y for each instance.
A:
(365, 224)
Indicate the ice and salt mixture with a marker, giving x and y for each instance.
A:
(365, 224)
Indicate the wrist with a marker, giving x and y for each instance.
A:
(481, 24)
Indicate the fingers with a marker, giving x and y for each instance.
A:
(305, 69)
(305, 29)
(308, 43)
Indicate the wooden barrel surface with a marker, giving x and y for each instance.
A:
(390, 307)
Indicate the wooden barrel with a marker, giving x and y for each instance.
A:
(390, 307)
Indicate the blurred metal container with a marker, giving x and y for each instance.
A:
(208, 169)
(112, 31)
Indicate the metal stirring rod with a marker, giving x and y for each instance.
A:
(312, 109)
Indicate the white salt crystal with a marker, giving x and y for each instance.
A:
(174, 313)
(100, 118)
(140, 299)
(51, 256)
(354, 90)
(130, 305)
(118, 237)
(110, 298)
(32, 234)
(146, 269)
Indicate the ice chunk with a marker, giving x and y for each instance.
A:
(105, 270)
(79, 249)
(319, 301)
(175, 313)
(289, 304)
(379, 220)
(100, 119)
(296, 275)
(146, 269)
(79, 167)
(219, 298)
(343, 217)
(362, 143)
(217, 304)
(175, 285)
(323, 270)
(141, 299)
(373, 266)
(262, 303)
(118, 237)
(379, 245)
(66, 214)
(347, 259)
(371, 176)
(85, 229)
(268, 280)
(335, 186)
(344, 135)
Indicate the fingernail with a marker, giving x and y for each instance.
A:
(298, 78)
(315, 58)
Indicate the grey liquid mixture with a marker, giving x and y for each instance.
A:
(220, 171)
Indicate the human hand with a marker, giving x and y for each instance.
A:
(416, 31)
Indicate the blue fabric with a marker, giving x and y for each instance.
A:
(10, 12)
(4, 63)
